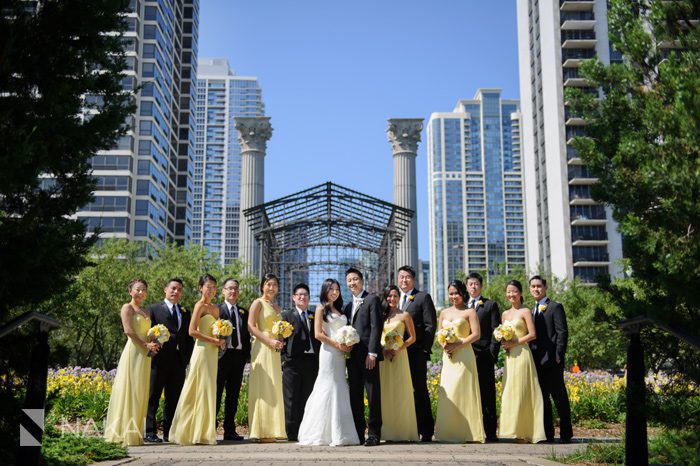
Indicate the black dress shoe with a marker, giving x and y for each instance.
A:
(492, 439)
(233, 436)
(372, 442)
(426, 439)
(565, 440)
(152, 438)
(292, 439)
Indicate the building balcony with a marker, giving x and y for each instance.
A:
(590, 242)
(576, 5)
(588, 263)
(578, 24)
(583, 221)
(582, 201)
(578, 44)
(575, 121)
(582, 181)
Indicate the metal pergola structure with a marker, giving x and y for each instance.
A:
(319, 232)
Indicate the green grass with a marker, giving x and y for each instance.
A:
(678, 447)
(75, 450)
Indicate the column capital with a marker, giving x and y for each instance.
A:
(404, 134)
(253, 133)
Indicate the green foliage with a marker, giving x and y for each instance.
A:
(47, 66)
(642, 144)
(91, 332)
(76, 450)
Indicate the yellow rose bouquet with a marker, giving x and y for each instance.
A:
(505, 331)
(158, 334)
(445, 336)
(282, 329)
(222, 328)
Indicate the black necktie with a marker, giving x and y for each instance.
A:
(305, 324)
(234, 321)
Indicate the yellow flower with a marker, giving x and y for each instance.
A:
(543, 307)
(411, 297)
(480, 303)
(311, 316)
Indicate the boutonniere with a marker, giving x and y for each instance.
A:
(360, 302)
(542, 307)
(311, 317)
(411, 297)
(479, 303)
(183, 309)
(241, 311)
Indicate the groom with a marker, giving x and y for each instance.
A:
(364, 313)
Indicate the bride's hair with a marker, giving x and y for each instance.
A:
(385, 303)
(327, 306)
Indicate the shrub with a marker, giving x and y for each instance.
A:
(76, 450)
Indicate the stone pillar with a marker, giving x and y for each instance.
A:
(253, 134)
(404, 136)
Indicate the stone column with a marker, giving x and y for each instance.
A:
(253, 134)
(404, 136)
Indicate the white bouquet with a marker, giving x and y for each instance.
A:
(347, 335)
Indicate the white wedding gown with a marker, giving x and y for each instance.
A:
(327, 416)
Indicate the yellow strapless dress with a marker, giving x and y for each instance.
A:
(194, 421)
(128, 402)
(265, 402)
(459, 417)
(522, 414)
(398, 408)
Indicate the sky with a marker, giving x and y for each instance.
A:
(333, 72)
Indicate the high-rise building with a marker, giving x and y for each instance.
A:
(569, 234)
(144, 184)
(475, 197)
(217, 164)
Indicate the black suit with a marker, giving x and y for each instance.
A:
(231, 365)
(422, 310)
(168, 366)
(486, 352)
(299, 368)
(368, 322)
(549, 350)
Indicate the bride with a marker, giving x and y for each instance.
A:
(327, 417)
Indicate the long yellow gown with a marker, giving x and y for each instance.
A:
(459, 417)
(265, 402)
(398, 408)
(194, 421)
(128, 402)
(522, 414)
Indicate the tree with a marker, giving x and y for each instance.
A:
(642, 142)
(51, 58)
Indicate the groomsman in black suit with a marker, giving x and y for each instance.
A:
(168, 366)
(364, 313)
(299, 360)
(486, 351)
(420, 306)
(232, 361)
(549, 349)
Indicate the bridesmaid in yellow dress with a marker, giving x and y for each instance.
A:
(129, 399)
(398, 408)
(265, 402)
(522, 407)
(194, 421)
(459, 417)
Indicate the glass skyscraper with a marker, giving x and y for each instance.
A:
(475, 198)
(217, 163)
(144, 184)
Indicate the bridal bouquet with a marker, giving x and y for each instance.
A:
(221, 328)
(445, 336)
(347, 335)
(505, 331)
(392, 340)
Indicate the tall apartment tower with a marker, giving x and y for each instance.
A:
(144, 184)
(569, 234)
(475, 198)
(217, 163)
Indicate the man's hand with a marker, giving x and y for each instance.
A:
(370, 362)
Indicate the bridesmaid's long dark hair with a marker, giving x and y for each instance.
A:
(385, 304)
(460, 287)
(338, 303)
(519, 286)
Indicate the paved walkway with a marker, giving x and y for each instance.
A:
(386, 454)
